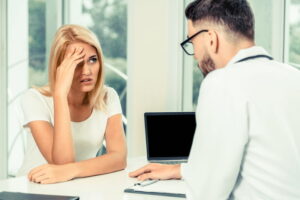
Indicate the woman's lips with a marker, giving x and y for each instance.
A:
(86, 81)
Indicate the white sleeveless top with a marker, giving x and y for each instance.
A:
(87, 135)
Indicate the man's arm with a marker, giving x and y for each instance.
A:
(220, 139)
(218, 146)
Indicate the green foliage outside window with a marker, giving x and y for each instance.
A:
(110, 25)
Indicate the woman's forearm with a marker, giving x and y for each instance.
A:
(49, 173)
(63, 148)
(111, 162)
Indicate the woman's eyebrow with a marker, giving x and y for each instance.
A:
(93, 56)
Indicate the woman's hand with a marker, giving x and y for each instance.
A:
(65, 71)
(49, 173)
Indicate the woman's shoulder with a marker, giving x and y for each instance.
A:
(32, 96)
(111, 94)
(110, 91)
(33, 93)
(112, 101)
(30, 93)
(35, 106)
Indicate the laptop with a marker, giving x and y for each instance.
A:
(28, 196)
(169, 136)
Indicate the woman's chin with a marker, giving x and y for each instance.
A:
(86, 88)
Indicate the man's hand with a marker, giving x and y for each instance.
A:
(157, 171)
(49, 173)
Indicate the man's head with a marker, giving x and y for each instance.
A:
(228, 27)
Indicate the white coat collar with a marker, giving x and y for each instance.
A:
(244, 53)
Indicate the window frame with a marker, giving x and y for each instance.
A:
(187, 76)
(279, 44)
(286, 36)
(54, 19)
(3, 91)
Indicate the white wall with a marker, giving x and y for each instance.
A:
(154, 64)
(17, 76)
(3, 86)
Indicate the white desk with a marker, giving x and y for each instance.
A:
(102, 187)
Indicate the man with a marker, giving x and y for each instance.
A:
(247, 142)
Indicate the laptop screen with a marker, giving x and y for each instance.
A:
(169, 135)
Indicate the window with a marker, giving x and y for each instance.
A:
(192, 77)
(263, 14)
(108, 20)
(38, 70)
(293, 32)
(197, 80)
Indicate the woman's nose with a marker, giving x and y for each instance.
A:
(86, 70)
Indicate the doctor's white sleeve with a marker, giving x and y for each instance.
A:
(219, 142)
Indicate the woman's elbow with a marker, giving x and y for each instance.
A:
(124, 163)
(122, 160)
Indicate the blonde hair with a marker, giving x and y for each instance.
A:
(64, 36)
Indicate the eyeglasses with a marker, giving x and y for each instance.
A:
(187, 45)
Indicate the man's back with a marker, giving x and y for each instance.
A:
(247, 141)
(271, 166)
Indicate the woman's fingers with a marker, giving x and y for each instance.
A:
(35, 170)
(70, 52)
(36, 175)
(41, 178)
(79, 52)
(48, 181)
(77, 57)
(66, 70)
(74, 60)
(74, 52)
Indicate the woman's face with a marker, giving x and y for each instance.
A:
(86, 72)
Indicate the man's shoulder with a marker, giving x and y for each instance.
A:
(216, 78)
(226, 80)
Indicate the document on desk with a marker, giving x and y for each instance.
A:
(172, 188)
(28, 196)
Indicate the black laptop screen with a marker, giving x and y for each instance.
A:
(169, 135)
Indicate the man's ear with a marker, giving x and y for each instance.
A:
(213, 41)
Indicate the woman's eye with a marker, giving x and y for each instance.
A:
(92, 60)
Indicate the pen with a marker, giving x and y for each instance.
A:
(146, 182)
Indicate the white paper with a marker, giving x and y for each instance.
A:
(164, 186)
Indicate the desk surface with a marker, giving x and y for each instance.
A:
(102, 187)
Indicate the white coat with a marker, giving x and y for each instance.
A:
(247, 141)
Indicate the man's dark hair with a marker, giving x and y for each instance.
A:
(235, 14)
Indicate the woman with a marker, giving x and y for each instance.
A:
(69, 119)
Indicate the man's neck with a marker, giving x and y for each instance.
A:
(231, 51)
